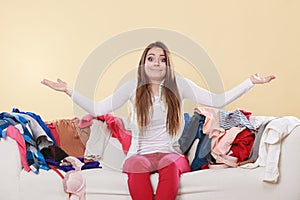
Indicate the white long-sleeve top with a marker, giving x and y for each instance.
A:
(156, 138)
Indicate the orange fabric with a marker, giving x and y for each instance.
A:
(70, 141)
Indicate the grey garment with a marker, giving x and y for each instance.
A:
(40, 136)
(11, 121)
(2, 122)
(255, 147)
(228, 120)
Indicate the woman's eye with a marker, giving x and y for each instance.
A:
(164, 60)
(150, 59)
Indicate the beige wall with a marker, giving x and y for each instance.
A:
(51, 39)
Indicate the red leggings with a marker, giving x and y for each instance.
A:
(169, 167)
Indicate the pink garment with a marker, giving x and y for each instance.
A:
(115, 125)
(53, 130)
(225, 160)
(169, 167)
(211, 125)
(224, 142)
(16, 135)
(221, 139)
(74, 180)
(86, 121)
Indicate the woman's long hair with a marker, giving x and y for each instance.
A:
(170, 94)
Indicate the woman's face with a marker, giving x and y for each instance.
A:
(155, 65)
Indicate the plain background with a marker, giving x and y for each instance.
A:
(51, 39)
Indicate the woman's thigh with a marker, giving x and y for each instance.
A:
(179, 161)
(137, 164)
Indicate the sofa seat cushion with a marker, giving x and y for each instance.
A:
(229, 183)
(220, 184)
(205, 183)
(46, 185)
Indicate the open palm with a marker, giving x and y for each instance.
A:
(58, 86)
(256, 79)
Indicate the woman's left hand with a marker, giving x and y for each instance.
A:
(256, 79)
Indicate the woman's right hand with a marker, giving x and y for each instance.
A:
(60, 86)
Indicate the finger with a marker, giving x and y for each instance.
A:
(272, 77)
(45, 81)
(60, 81)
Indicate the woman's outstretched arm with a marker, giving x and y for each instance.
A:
(104, 106)
(192, 91)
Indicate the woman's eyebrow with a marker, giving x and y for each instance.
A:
(152, 54)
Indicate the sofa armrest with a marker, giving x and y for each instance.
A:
(10, 168)
(9, 157)
(290, 164)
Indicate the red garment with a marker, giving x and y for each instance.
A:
(54, 132)
(246, 113)
(242, 144)
(169, 167)
(17, 136)
(118, 130)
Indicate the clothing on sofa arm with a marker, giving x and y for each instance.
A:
(15, 134)
(40, 121)
(40, 136)
(34, 157)
(270, 146)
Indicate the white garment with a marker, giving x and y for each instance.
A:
(270, 146)
(98, 140)
(257, 121)
(187, 90)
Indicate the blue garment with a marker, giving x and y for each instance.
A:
(190, 131)
(87, 165)
(203, 149)
(193, 130)
(39, 120)
(3, 125)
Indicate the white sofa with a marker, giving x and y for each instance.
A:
(110, 183)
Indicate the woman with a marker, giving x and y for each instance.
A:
(156, 98)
